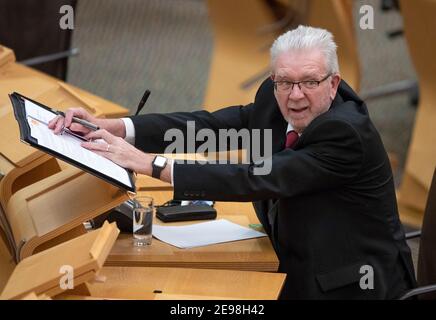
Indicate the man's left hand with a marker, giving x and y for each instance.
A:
(119, 151)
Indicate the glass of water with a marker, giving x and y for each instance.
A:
(143, 211)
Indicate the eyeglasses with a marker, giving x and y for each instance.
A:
(285, 86)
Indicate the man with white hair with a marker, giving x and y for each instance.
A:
(328, 204)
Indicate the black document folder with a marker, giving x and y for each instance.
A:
(33, 117)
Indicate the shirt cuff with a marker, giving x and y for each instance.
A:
(172, 172)
(130, 130)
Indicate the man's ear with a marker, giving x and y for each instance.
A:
(335, 80)
(272, 76)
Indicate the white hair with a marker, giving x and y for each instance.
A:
(305, 37)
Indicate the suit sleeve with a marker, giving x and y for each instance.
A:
(150, 129)
(332, 156)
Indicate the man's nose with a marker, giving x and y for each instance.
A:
(296, 93)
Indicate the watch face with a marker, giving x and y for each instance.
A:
(160, 161)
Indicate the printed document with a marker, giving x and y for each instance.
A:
(69, 146)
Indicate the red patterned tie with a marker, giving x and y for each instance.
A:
(291, 139)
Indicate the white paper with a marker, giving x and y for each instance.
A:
(69, 146)
(203, 234)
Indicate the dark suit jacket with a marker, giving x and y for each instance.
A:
(331, 201)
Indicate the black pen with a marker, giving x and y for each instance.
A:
(73, 134)
(84, 123)
(143, 101)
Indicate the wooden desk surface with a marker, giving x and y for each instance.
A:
(253, 254)
(51, 91)
(178, 283)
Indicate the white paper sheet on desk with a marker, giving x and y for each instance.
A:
(204, 234)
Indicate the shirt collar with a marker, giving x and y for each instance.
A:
(290, 128)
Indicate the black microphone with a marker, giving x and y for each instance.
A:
(143, 101)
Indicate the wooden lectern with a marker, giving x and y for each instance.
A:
(45, 201)
(53, 210)
(21, 165)
(42, 273)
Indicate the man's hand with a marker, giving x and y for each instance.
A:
(118, 150)
(109, 142)
(58, 123)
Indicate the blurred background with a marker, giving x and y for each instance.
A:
(208, 54)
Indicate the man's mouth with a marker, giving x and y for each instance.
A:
(298, 110)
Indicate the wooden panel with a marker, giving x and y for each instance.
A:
(57, 204)
(337, 17)
(412, 193)
(40, 273)
(15, 151)
(6, 56)
(7, 264)
(419, 27)
(141, 283)
(239, 50)
(37, 85)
